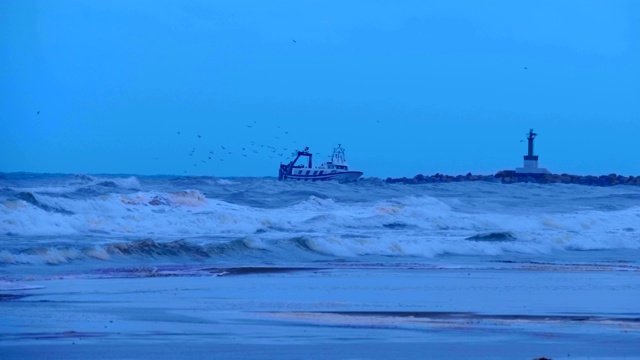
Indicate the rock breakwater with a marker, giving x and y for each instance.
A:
(511, 177)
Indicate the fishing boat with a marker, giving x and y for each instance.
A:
(301, 168)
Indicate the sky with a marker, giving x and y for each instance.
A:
(231, 88)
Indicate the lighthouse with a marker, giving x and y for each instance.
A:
(530, 160)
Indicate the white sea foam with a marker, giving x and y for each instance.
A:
(406, 225)
(225, 182)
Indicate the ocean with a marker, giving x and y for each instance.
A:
(104, 266)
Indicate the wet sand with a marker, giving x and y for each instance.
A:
(325, 313)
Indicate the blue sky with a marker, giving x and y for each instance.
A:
(407, 87)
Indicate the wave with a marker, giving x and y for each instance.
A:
(409, 219)
(129, 183)
(317, 247)
(30, 198)
(77, 186)
(146, 248)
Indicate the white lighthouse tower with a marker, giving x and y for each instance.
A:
(530, 160)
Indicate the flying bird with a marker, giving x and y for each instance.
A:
(294, 41)
(38, 112)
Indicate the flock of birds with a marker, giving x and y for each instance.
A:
(201, 154)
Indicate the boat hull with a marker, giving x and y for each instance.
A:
(343, 176)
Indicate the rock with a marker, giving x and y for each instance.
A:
(511, 177)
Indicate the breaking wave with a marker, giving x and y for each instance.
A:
(204, 218)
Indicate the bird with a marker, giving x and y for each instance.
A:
(294, 41)
(178, 132)
(525, 68)
(199, 136)
(38, 112)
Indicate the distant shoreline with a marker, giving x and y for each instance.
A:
(511, 177)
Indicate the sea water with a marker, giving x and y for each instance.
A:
(255, 267)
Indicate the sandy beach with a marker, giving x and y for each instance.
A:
(327, 314)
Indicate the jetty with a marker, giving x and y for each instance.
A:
(511, 177)
(529, 173)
